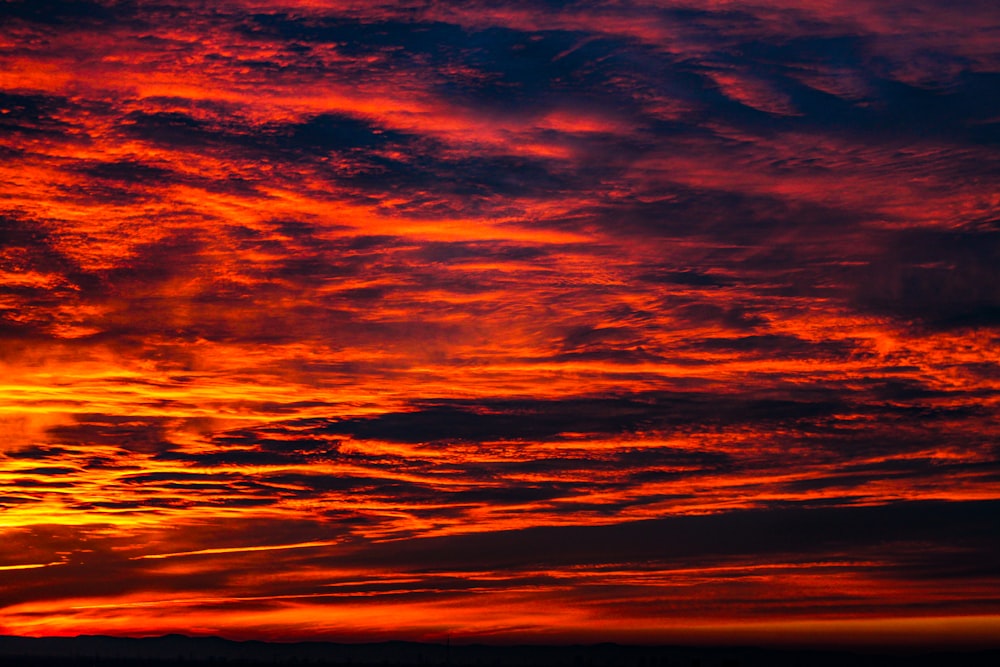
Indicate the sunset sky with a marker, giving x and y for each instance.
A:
(611, 320)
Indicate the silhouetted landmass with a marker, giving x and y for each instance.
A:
(178, 650)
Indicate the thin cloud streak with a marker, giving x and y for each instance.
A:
(229, 550)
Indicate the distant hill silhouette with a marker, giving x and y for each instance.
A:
(172, 650)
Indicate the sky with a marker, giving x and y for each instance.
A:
(609, 320)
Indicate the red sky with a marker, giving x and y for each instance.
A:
(549, 321)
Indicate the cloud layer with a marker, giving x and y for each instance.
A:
(563, 320)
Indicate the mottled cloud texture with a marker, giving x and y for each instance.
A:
(522, 321)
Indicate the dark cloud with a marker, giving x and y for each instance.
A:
(141, 434)
(330, 132)
(515, 69)
(781, 346)
(453, 423)
(128, 172)
(544, 420)
(59, 12)
(820, 422)
(358, 37)
(33, 115)
(731, 316)
(943, 280)
(729, 216)
(686, 277)
(234, 457)
(701, 539)
(170, 127)
(28, 246)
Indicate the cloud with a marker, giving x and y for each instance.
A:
(56, 12)
(701, 539)
(542, 313)
(938, 279)
(544, 420)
